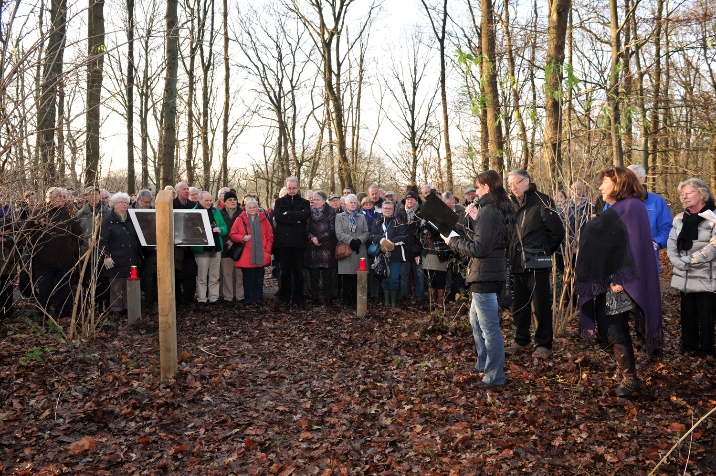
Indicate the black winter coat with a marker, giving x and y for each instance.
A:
(55, 237)
(413, 247)
(487, 250)
(397, 233)
(290, 216)
(537, 225)
(118, 239)
(323, 255)
(229, 224)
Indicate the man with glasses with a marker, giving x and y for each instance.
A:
(538, 226)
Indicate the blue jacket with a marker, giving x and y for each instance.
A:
(659, 221)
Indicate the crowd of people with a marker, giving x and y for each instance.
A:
(507, 231)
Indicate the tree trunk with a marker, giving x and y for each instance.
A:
(224, 177)
(492, 93)
(195, 30)
(131, 179)
(513, 85)
(554, 67)
(95, 64)
(51, 75)
(613, 91)
(206, 56)
(144, 116)
(169, 103)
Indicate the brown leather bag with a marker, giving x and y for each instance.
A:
(343, 250)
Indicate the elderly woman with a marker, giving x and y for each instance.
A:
(231, 276)
(119, 245)
(320, 259)
(254, 230)
(692, 251)
(208, 258)
(351, 228)
(616, 272)
(54, 244)
(391, 233)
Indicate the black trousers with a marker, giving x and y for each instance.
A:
(614, 328)
(315, 276)
(290, 261)
(350, 289)
(698, 320)
(531, 288)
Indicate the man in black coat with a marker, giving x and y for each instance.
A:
(538, 226)
(290, 215)
(185, 268)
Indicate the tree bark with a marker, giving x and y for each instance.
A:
(613, 91)
(224, 177)
(131, 179)
(655, 125)
(554, 66)
(492, 93)
(95, 65)
(51, 76)
(169, 102)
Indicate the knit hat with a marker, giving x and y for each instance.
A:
(229, 195)
(411, 194)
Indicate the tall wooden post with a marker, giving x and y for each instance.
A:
(165, 284)
(362, 304)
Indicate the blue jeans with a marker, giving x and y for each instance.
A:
(393, 281)
(253, 285)
(418, 280)
(490, 345)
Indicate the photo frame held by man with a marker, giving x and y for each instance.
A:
(191, 227)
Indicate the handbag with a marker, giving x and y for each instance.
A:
(343, 251)
(380, 266)
(535, 258)
(238, 248)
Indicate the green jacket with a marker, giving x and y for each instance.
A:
(220, 223)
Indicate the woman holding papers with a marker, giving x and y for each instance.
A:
(491, 229)
(692, 251)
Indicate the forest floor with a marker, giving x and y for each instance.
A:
(321, 391)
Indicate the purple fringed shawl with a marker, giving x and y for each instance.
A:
(603, 259)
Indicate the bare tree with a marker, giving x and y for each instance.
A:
(95, 65)
(169, 104)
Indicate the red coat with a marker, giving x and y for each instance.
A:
(241, 228)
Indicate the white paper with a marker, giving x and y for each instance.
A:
(709, 215)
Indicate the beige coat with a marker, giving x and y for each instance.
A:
(350, 264)
(693, 269)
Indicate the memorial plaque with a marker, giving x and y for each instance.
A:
(191, 227)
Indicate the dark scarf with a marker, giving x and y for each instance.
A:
(690, 228)
(352, 223)
(317, 213)
(616, 247)
(257, 243)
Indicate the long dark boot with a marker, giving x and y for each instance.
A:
(386, 294)
(394, 298)
(629, 386)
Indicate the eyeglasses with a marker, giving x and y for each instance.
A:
(514, 184)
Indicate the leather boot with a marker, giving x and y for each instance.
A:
(629, 386)
(394, 298)
(440, 300)
(386, 293)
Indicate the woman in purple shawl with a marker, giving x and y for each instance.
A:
(616, 272)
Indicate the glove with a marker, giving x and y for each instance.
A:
(386, 245)
(108, 263)
(682, 263)
(355, 244)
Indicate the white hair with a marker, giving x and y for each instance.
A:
(116, 197)
(638, 170)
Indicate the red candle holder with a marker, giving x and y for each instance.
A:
(133, 273)
(362, 266)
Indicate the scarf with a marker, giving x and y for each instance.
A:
(411, 212)
(257, 243)
(317, 213)
(690, 229)
(352, 223)
(231, 213)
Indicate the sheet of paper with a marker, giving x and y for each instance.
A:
(709, 215)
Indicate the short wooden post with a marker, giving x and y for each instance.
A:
(362, 306)
(165, 284)
(134, 300)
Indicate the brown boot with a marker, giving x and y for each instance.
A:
(629, 386)
(440, 300)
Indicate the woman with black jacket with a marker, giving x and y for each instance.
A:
(391, 233)
(491, 226)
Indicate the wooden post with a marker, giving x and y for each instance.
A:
(134, 300)
(362, 306)
(165, 284)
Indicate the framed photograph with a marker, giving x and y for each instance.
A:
(191, 227)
